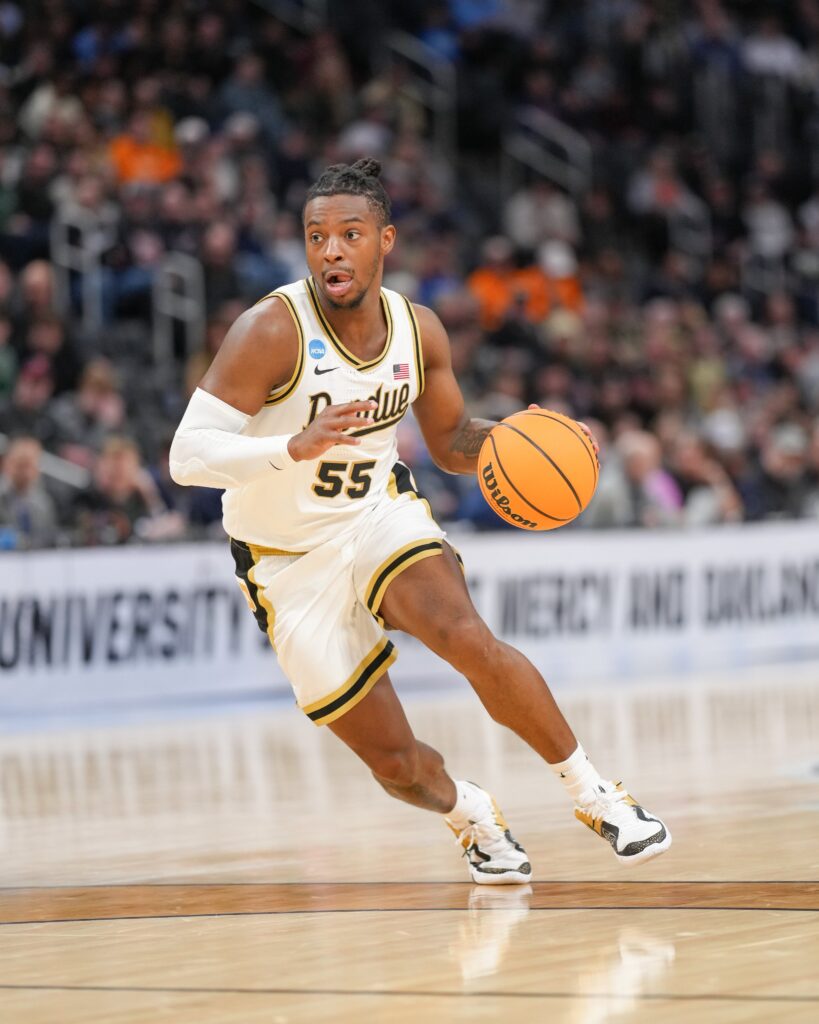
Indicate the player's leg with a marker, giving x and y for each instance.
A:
(377, 730)
(430, 601)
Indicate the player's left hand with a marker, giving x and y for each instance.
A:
(585, 430)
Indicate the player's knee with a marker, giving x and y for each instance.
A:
(469, 644)
(397, 767)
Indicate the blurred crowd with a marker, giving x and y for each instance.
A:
(670, 298)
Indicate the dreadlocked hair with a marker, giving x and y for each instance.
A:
(363, 178)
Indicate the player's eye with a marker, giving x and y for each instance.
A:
(315, 238)
(353, 234)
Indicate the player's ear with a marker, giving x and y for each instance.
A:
(387, 239)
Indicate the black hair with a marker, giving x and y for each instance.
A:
(363, 178)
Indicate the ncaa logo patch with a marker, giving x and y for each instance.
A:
(316, 348)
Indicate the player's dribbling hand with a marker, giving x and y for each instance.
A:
(328, 429)
(585, 430)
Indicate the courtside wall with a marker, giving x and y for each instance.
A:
(148, 625)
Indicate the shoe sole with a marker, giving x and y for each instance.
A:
(507, 878)
(650, 851)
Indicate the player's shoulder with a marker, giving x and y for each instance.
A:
(270, 316)
(433, 333)
(428, 320)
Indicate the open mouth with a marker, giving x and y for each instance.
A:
(338, 283)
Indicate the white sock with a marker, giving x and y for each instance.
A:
(470, 804)
(577, 773)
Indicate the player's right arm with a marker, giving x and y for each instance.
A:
(258, 354)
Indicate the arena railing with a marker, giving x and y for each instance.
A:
(78, 238)
(60, 470)
(178, 302)
(433, 83)
(544, 144)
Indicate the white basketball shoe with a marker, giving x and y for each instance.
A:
(495, 858)
(634, 834)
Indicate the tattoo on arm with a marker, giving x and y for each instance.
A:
(469, 438)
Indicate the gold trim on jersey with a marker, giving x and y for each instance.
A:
(367, 673)
(396, 487)
(287, 389)
(338, 344)
(398, 561)
(419, 354)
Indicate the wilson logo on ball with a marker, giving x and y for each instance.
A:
(501, 502)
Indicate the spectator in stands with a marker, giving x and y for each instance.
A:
(132, 260)
(28, 410)
(779, 488)
(89, 415)
(657, 193)
(600, 229)
(136, 155)
(499, 284)
(25, 236)
(219, 250)
(770, 52)
(54, 99)
(34, 296)
(28, 518)
(247, 90)
(709, 496)
(811, 504)
(122, 499)
(8, 360)
(768, 223)
(47, 335)
(175, 222)
(651, 496)
(539, 213)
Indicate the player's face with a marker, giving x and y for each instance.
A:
(345, 248)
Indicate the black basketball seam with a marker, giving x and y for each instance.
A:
(555, 419)
(555, 519)
(551, 462)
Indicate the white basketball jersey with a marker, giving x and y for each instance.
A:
(304, 505)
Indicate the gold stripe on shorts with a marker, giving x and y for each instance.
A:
(398, 561)
(246, 558)
(356, 688)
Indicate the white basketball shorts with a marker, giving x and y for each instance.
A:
(320, 609)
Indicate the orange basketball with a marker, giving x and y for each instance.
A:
(537, 469)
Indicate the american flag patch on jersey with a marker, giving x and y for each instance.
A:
(400, 371)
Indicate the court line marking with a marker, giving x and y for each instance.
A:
(489, 994)
(426, 885)
(394, 910)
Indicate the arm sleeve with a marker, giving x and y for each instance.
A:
(209, 449)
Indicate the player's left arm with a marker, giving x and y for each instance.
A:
(453, 438)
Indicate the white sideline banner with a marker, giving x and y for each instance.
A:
(145, 624)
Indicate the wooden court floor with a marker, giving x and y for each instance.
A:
(240, 866)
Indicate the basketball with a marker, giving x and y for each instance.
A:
(537, 469)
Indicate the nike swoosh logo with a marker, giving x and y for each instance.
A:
(329, 369)
(279, 468)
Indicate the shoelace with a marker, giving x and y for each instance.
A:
(488, 835)
(605, 804)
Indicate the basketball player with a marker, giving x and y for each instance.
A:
(296, 420)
